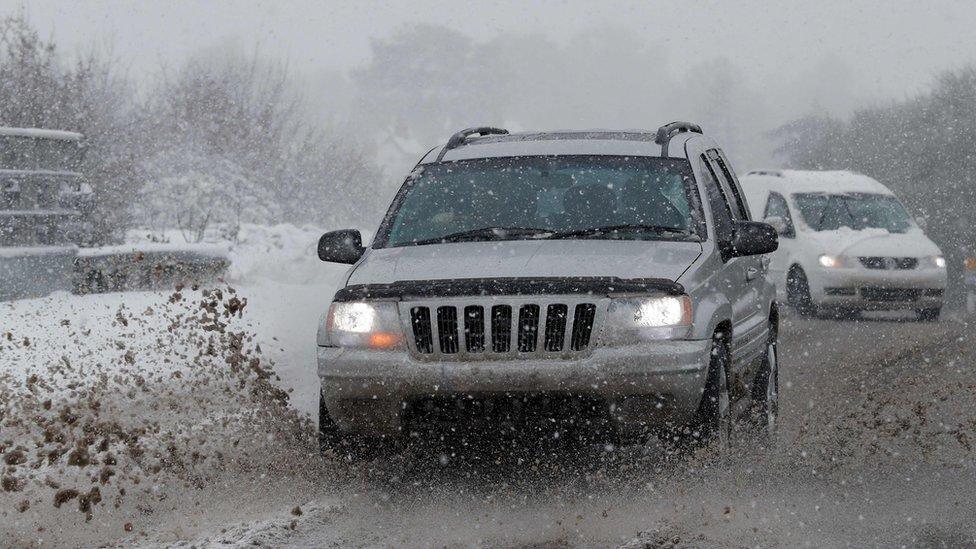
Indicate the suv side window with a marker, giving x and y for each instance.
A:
(729, 185)
(717, 202)
(776, 207)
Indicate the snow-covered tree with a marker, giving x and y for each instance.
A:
(39, 88)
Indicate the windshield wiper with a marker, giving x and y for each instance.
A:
(629, 227)
(484, 233)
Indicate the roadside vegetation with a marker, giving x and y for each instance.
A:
(212, 143)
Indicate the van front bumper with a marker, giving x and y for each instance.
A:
(367, 391)
(878, 289)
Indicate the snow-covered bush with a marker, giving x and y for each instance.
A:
(232, 146)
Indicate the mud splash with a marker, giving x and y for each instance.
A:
(113, 431)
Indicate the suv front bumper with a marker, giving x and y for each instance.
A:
(367, 391)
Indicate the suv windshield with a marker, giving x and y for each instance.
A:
(827, 212)
(611, 197)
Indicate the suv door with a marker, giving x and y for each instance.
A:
(746, 274)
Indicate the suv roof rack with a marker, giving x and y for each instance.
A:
(667, 131)
(458, 139)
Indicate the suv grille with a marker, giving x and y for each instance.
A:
(447, 329)
(474, 329)
(516, 329)
(583, 327)
(889, 263)
(501, 328)
(555, 327)
(528, 329)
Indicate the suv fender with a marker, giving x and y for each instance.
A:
(710, 311)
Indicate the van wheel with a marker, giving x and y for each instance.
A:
(798, 293)
(929, 315)
(765, 390)
(713, 420)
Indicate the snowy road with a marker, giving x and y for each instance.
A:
(878, 422)
(866, 459)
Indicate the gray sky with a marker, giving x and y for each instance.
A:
(794, 57)
(892, 48)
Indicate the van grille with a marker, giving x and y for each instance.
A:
(516, 329)
(890, 294)
(889, 263)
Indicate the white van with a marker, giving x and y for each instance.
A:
(846, 244)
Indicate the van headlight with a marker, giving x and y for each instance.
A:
(635, 319)
(831, 261)
(938, 261)
(362, 324)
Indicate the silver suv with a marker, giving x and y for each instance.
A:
(617, 269)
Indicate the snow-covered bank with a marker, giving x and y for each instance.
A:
(125, 413)
(274, 267)
(283, 253)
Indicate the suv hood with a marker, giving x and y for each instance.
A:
(528, 258)
(877, 242)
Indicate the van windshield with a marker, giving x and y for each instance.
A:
(858, 211)
(609, 197)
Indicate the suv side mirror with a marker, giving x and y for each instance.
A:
(778, 224)
(753, 238)
(345, 246)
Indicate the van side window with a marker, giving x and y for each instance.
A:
(729, 185)
(717, 203)
(776, 207)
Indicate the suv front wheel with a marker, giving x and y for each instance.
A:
(713, 420)
(334, 444)
(330, 437)
(765, 391)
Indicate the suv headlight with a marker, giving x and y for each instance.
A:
(636, 319)
(361, 324)
(938, 261)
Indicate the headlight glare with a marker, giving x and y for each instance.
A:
(939, 261)
(660, 311)
(354, 317)
(831, 261)
(635, 319)
(359, 324)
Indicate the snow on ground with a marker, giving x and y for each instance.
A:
(125, 411)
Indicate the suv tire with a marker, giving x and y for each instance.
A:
(713, 420)
(335, 444)
(330, 437)
(765, 390)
